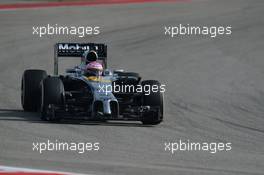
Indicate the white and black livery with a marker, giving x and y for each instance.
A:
(76, 95)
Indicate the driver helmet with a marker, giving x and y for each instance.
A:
(89, 56)
(94, 68)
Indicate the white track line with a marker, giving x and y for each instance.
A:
(10, 169)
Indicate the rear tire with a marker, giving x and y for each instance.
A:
(30, 89)
(154, 100)
(52, 96)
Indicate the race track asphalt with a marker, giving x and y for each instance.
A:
(214, 88)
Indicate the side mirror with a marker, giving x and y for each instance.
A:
(107, 72)
(118, 70)
(74, 71)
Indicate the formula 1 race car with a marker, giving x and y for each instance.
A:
(115, 95)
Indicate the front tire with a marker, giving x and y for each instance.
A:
(30, 89)
(52, 96)
(154, 100)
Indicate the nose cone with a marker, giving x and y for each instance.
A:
(107, 108)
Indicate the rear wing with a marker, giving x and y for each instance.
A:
(77, 50)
